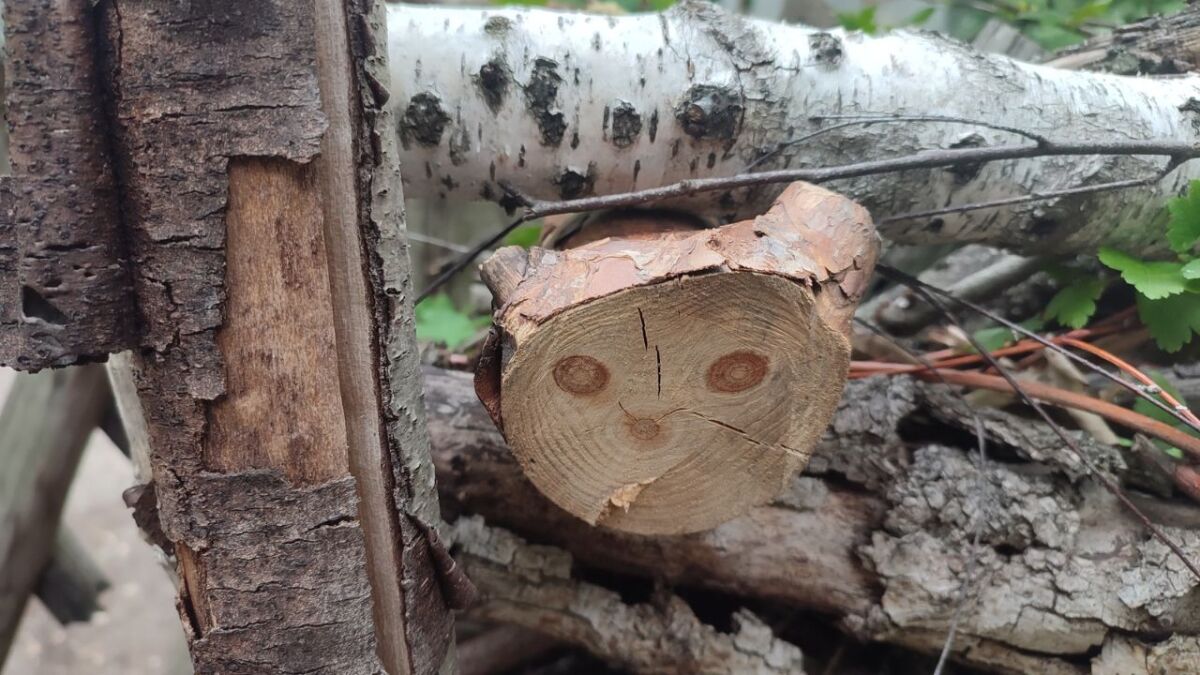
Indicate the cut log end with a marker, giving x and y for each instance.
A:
(667, 384)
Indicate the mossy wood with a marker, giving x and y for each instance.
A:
(657, 377)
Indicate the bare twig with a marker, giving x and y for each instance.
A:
(1176, 151)
(926, 159)
(1109, 484)
(868, 119)
(1137, 390)
(466, 258)
(1036, 196)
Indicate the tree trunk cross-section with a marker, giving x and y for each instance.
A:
(616, 406)
(289, 453)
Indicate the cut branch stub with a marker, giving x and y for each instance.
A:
(664, 379)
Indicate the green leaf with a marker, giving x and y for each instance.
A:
(524, 236)
(1075, 304)
(920, 17)
(999, 337)
(863, 20)
(1184, 228)
(1172, 321)
(1153, 279)
(438, 320)
(1191, 269)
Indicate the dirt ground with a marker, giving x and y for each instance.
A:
(137, 631)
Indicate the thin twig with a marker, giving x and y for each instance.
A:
(1035, 196)
(1106, 480)
(1140, 392)
(868, 119)
(466, 258)
(926, 159)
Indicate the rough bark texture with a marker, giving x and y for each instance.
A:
(1160, 45)
(532, 586)
(241, 129)
(877, 531)
(45, 424)
(564, 105)
(614, 408)
(64, 289)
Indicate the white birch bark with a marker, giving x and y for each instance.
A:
(565, 104)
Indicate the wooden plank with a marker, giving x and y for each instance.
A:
(44, 427)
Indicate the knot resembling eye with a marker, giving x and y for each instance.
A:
(580, 375)
(737, 371)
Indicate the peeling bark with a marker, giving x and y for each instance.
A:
(877, 530)
(532, 586)
(274, 369)
(719, 92)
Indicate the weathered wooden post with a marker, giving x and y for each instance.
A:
(242, 235)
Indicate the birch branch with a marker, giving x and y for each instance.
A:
(563, 106)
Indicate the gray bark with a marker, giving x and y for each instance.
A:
(877, 531)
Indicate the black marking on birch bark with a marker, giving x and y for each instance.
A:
(596, 41)
(572, 184)
(604, 123)
(693, 164)
(637, 169)
(492, 170)
(1042, 226)
(1192, 105)
(493, 81)
(652, 132)
(428, 170)
(497, 26)
(826, 49)
(626, 124)
(965, 173)
(541, 97)
(486, 193)
(450, 183)
(521, 158)
(710, 112)
(712, 159)
(424, 120)
(675, 148)
(460, 145)
(574, 139)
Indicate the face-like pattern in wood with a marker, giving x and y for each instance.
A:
(665, 408)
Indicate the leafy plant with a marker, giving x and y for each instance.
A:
(438, 320)
(1168, 291)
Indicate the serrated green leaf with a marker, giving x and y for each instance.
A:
(1171, 321)
(1184, 228)
(438, 320)
(1075, 304)
(1153, 279)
